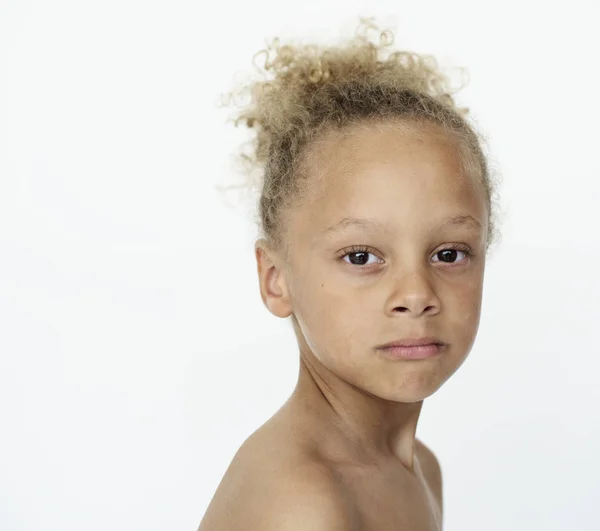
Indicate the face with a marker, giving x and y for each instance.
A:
(374, 258)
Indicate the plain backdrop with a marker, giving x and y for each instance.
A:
(135, 353)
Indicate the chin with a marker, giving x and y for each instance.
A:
(413, 391)
(411, 398)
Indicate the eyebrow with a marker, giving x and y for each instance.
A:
(369, 224)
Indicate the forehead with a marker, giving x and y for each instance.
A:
(343, 157)
(407, 176)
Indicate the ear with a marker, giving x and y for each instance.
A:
(273, 287)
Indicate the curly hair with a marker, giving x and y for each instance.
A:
(316, 89)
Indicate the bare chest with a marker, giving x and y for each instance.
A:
(390, 501)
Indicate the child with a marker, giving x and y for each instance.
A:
(376, 217)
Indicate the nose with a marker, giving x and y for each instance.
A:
(413, 293)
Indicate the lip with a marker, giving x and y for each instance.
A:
(413, 342)
(418, 352)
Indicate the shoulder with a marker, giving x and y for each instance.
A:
(427, 458)
(431, 468)
(274, 490)
(307, 499)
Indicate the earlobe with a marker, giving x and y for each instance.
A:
(273, 287)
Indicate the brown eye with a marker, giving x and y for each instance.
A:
(451, 255)
(360, 256)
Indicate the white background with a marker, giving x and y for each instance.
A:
(135, 353)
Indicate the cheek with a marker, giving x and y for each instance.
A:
(465, 310)
(333, 322)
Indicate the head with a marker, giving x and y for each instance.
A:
(375, 216)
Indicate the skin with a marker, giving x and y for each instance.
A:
(341, 453)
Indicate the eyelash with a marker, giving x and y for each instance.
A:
(370, 250)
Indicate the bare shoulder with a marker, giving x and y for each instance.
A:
(431, 469)
(308, 499)
(270, 487)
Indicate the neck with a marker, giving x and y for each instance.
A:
(353, 425)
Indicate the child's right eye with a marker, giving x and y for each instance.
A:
(359, 256)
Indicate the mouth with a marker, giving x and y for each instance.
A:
(415, 352)
(413, 342)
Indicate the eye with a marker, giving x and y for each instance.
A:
(359, 256)
(448, 255)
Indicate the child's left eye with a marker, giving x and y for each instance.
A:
(450, 252)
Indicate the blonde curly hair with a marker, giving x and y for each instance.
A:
(308, 90)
